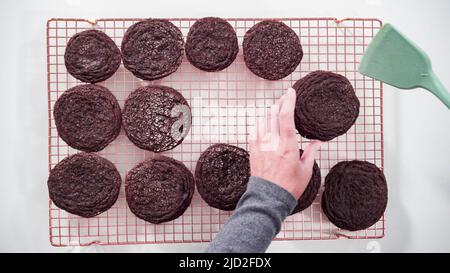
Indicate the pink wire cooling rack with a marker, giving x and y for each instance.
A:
(224, 107)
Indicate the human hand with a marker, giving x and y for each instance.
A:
(274, 151)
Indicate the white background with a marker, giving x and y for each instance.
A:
(416, 124)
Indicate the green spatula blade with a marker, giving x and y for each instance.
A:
(394, 59)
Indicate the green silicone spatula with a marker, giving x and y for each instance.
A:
(394, 59)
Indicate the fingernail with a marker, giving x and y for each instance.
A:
(290, 91)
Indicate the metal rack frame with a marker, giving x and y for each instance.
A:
(224, 106)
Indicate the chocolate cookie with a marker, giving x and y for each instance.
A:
(152, 49)
(156, 118)
(87, 117)
(326, 105)
(159, 189)
(272, 50)
(84, 184)
(91, 56)
(355, 195)
(311, 190)
(222, 174)
(211, 44)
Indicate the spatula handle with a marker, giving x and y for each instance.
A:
(435, 86)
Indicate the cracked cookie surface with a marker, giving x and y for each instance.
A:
(326, 105)
(152, 49)
(84, 184)
(92, 56)
(159, 189)
(87, 117)
(222, 174)
(355, 195)
(151, 119)
(211, 44)
(272, 50)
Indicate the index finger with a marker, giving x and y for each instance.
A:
(286, 122)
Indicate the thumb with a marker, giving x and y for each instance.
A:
(310, 152)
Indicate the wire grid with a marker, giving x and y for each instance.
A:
(224, 107)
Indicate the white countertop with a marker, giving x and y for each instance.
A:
(416, 124)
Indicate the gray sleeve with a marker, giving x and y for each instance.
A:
(256, 220)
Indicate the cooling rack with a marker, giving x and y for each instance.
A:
(224, 107)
